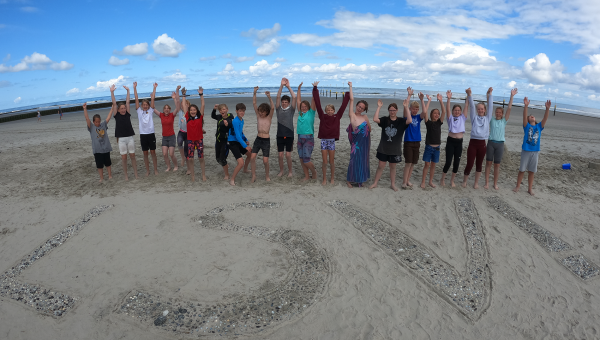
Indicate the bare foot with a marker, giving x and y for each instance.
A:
(253, 179)
(268, 179)
(486, 186)
(442, 183)
(324, 183)
(109, 177)
(168, 169)
(280, 173)
(332, 182)
(226, 178)
(496, 187)
(452, 184)
(155, 172)
(246, 171)
(126, 178)
(290, 175)
(136, 177)
(349, 185)
(431, 184)
(422, 185)
(374, 185)
(404, 186)
(231, 182)
(531, 192)
(188, 173)
(147, 173)
(303, 180)
(516, 189)
(175, 169)
(475, 186)
(394, 187)
(204, 178)
(464, 185)
(410, 184)
(100, 181)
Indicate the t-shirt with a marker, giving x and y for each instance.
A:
(145, 120)
(434, 132)
(391, 135)
(413, 132)
(123, 128)
(329, 127)
(182, 121)
(100, 142)
(194, 127)
(167, 124)
(531, 139)
(480, 125)
(497, 128)
(456, 124)
(306, 123)
(285, 121)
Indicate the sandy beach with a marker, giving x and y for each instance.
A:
(294, 260)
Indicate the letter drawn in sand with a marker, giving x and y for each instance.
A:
(470, 292)
(241, 314)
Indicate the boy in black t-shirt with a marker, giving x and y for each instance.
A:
(390, 145)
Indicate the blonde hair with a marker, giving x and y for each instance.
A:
(414, 104)
(329, 106)
(167, 105)
(222, 106)
(484, 107)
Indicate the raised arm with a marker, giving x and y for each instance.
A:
(293, 102)
(490, 105)
(112, 95)
(278, 100)
(410, 93)
(471, 103)
(184, 103)
(424, 115)
(466, 110)
(407, 114)
(87, 118)
(153, 95)
(201, 94)
(137, 101)
(176, 99)
(547, 114)
(423, 108)
(449, 96)
(299, 98)
(526, 102)
(376, 117)
(513, 92)
(113, 111)
(443, 109)
(351, 110)
(254, 100)
(268, 94)
(317, 99)
(126, 99)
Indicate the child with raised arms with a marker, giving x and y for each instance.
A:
(456, 130)
(306, 134)
(329, 130)
(495, 146)
(224, 120)
(124, 132)
(100, 143)
(285, 109)
(264, 116)
(167, 118)
(195, 137)
(390, 145)
(359, 136)
(182, 121)
(480, 131)
(238, 143)
(412, 140)
(433, 140)
(146, 124)
(531, 145)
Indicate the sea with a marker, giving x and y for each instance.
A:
(307, 91)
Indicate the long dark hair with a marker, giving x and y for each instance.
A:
(197, 110)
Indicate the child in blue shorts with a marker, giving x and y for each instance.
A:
(433, 140)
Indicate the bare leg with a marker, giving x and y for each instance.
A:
(488, 168)
(324, 167)
(124, 163)
(191, 168)
(239, 166)
(519, 180)
(280, 164)
(405, 175)
(147, 163)
(477, 176)
(154, 161)
(266, 164)
(443, 179)
(465, 179)
(109, 172)
(101, 173)
(530, 183)
(305, 170)
(378, 174)
(332, 165)
(452, 184)
(496, 173)
(288, 155)
(173, 157)
(202, 166)
(425, 170)
(431, 173)
(393, 176)
(412, 165)
(253, 166)
(226, 171)
(310, 166)
(165, 151)
(182, 154)
(134, 164)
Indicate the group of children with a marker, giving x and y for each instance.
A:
(230, 136)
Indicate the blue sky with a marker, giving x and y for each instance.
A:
(59, 50)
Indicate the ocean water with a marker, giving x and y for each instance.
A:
(307, 91)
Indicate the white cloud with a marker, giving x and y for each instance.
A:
(114, 61)
(105, 85)
(167, 47)
(594, 97)
(321, 53)
(229, 70)
(36, 61)
(264, 34)
(280, 60)
(511, 84)
(571, 94)
(268, 48)
(589, 77)
(176, 77)
(150, 57)
(262, 67)
(537, 88)
(73, 91)
(539, 69)
(136, 49)
(17, 100)
(208, 58)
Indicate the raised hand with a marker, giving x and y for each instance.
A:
(126, 88)
(405, 103)
(183, 91)
(268, 93)
(548, 104)
(449, 94)
(216, 106)
(112, 88)
(379, 103)
(85, 105)
(134, 84)
(489, 91)
(283, 81)
(299, 86)
(439, 97)
(200, 90)
(468, 91)
(173, 95)
(178, 87)
(316, 83)
(513, 92)
(421, 95)
(255, 89)
(410, 91)
(428, 98)
(350, 83)
(526, 101)
(155, 85)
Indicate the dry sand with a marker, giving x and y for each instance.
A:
(151, 241)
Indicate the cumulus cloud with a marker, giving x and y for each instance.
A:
(539, 69)
(262, 67)
(114, 61)
(166, 46)
(17, 100)
(73, 91)
(34, 62)
(105, 85)
(511, 84)
(594, 97)
(268, 48)
(136, 49)
(150, 57)
(229, 70)
(176, 77)
(589, 77)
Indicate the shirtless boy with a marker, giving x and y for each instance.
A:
(264, 116)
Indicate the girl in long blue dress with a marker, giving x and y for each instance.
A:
(359, 134)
